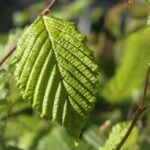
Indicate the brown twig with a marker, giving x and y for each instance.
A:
(142, 103)
(134, 121)
(141, 108)
(7, 55)
(48, 8)
(130, 2)
(44, 12)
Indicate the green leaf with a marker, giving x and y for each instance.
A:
(116, 135)
(58, 139)
(56, 71)
(130, 75)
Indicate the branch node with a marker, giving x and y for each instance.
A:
(48, 8)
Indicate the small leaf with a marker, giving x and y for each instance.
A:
(116, 135)
(56, 71)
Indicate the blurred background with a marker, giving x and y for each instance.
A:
(119, 35)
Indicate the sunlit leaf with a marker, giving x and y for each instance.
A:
(56, 71)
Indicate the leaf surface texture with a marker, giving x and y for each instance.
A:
(56, 71)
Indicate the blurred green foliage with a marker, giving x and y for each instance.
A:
(120, 39)
(130, 74)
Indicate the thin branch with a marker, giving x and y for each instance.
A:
(134, 121)
(44, 12)
(48, 8)
(141, 108)
(142, 103)
(7, 55)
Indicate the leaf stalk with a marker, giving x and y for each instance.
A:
(48, 8)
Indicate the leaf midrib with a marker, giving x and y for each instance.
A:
(53, 49)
